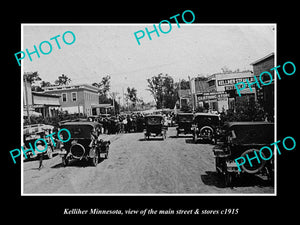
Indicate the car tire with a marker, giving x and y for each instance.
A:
(228, 177)
(95, 160)
(50, 153)
(65, 161)
(195, 138)
(260, 167)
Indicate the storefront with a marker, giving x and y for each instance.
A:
(213, 101)
(224, 84)
(45, 104)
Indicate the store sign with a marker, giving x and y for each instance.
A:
(231, 87)
(234, 81)
(212, 96)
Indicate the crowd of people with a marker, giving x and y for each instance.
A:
(125, 123)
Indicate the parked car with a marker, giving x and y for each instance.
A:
(154, 126)
(206, 127)
(241, 138)
(33, 132)
(184, 123)
(85, 143)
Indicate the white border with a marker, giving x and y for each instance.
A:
(156, 194)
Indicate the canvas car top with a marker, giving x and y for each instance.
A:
(252, 132)
(206, 114)
(245, 123)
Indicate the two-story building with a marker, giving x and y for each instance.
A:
(76, 98)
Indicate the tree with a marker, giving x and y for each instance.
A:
(162, 88)
(62, 80)
(184, 84)
(104, 85)
(246, 109)
(132, 95)
(225, 69)
(45, 84)
(32, 77)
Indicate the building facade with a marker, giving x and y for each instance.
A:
(46, 104)
(265, 94)
(38, 103)
(217, 91)
(221, 92)
(76, 98)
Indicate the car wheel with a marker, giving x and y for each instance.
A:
(95, 160)
(228, 177)
(195, 138)
(256, 167)
(65, 161)
(49, 153)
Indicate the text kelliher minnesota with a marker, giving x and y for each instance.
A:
(92, 211)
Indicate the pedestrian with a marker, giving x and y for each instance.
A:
(129, 124)
(41, 151)
(125, 125)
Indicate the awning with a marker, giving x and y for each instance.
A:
(32, 113)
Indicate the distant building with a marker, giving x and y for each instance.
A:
(76, 98)
(39, 104)
(221, 90)
(46, 104)
(217, 91)
(185, 98)
(265, 94)
(199, 85)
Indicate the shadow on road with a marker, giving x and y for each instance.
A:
(191, 141)
(181, 136)
(212, 178)
(152, 139)
(76, 163)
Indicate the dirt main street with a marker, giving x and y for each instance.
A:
(135, 166)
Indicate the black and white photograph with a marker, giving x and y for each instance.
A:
(150, 111)
(163, 114)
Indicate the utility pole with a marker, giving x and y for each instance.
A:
(191, 93)
(26, 97)
(179, 92)
(113, 96)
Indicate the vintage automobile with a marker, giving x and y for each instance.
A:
(33, 132)
(154, 126)
(206, 127)
(239, 139)
(184, 123)
(85, 143)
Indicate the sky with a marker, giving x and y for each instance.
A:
(111, 49)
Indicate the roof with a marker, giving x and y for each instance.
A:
(230, 124)
(201, 86)
(263, 58)
(81, 123)
(43, 94)
(58, 88)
